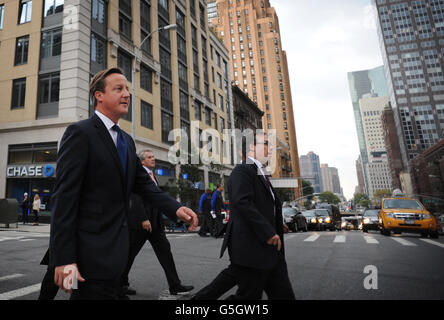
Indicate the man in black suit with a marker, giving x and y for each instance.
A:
(217, 204)
(254, 236)
(146, 224)
(97, 170)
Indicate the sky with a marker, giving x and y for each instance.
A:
(324, 40)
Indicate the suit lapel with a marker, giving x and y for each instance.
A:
(109, 143)
(262, 179)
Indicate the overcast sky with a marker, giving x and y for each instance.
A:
(324, 40)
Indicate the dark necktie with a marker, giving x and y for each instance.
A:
(121, 147)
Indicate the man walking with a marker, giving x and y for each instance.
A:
(254, 236)
(145, 223)
(97, 170)
(205, 208)
(217, 203)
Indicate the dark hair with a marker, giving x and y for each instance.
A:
(98, 82)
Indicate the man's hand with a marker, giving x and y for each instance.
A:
(286, 229)
(147, 226)
(275, 241)
(64, 276)
(188, 215)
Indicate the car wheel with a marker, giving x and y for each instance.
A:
(364, 230)
(385, 232)
(434, 235)
(424, 234)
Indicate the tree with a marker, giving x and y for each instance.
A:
(329, 197)
(378, 195)
(362, 200)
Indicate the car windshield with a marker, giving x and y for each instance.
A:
(322, 213)
(402, 204)
(371, 213)
(308, 213)
(288, 212)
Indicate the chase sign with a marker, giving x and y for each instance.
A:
(31, 171)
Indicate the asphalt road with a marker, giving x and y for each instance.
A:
(322, 265)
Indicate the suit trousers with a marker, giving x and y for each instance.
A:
(253, 282)
(49, 289)
(162, 249)
(97, 290)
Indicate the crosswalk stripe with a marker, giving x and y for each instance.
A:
(20, 292)
(404, 242)
(371, 240)
(339, 239)
(10, 238)
(24, 240)
(12, 276)
(312, 238)
(436, 243)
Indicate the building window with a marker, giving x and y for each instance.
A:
(197, 111)
(21, 50)
(208, 116)
(125, 18)
(147, 115)
(53, 7)
(18, 93)
(98, 11)
(167, 126)
(25, 11)
(146, 78)
(184, 108)
(2, 14)
(145, 25)
(49, 88)
(124, 63)
(51, 43)
(98, 50)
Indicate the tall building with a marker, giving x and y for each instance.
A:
(362, 83)
(311, 170)
(250, 31)
(330, 179)
(377, 167)
(49, 51)
(411, 37)
(360, 174)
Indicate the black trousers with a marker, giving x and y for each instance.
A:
(97, 290)
(162, 249)
(251, 283)
(207, 224)
(49, 289)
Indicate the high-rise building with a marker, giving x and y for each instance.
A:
(362, 83)
(330, 179)
(411, 34)
(311, 170)
(49, 54)
(250, 31)
(377, 167)
(360, 174)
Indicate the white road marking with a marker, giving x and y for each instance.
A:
(24, 240)
(10, 238)
(436, 243)
(339, 239)
(12, 276)
(312, 238)
(371, 240)
(404, 242)
(20, 292)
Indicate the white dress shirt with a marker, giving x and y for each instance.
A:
(108, 124)
(149, 173)
(261, 167)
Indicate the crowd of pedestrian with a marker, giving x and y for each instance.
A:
(210, 207)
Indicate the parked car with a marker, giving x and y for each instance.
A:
(402, 214)
(288, 215)
(370, 220)
(325, 220)
(311, 220)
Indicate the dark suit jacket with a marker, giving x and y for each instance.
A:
(252, 220)
(91, 199)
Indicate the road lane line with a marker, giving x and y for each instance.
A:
(339, 239)
(371, 240)
(404, 242)
(12, 276)
(10, 238)
(24, 240)
(291, 236)
(20, 292)
(312, 238)
(436, 243)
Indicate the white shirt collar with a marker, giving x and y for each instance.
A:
(106, 121)
(147, 169)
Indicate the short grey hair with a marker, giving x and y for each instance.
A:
(141, 154)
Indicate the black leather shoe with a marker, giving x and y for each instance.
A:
(181, 290)
(129, 291)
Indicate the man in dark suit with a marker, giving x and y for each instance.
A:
(217, 203)
(146, 224)
(207, 218)
(254, 236)
(97, 170)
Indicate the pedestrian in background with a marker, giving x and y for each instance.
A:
(207, 219)
(25, 208)
(36, 209)
(217, 203)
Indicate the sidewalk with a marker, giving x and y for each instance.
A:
(41, 228)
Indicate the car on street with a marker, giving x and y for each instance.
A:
(403, 214)
(325, 220)
(288, 215)
(311, 220)
(370, 220)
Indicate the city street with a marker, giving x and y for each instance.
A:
(322, 265)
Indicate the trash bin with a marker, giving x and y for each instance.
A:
(8, 211)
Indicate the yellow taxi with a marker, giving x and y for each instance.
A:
(404, 214)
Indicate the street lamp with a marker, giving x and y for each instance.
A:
(133, 77)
